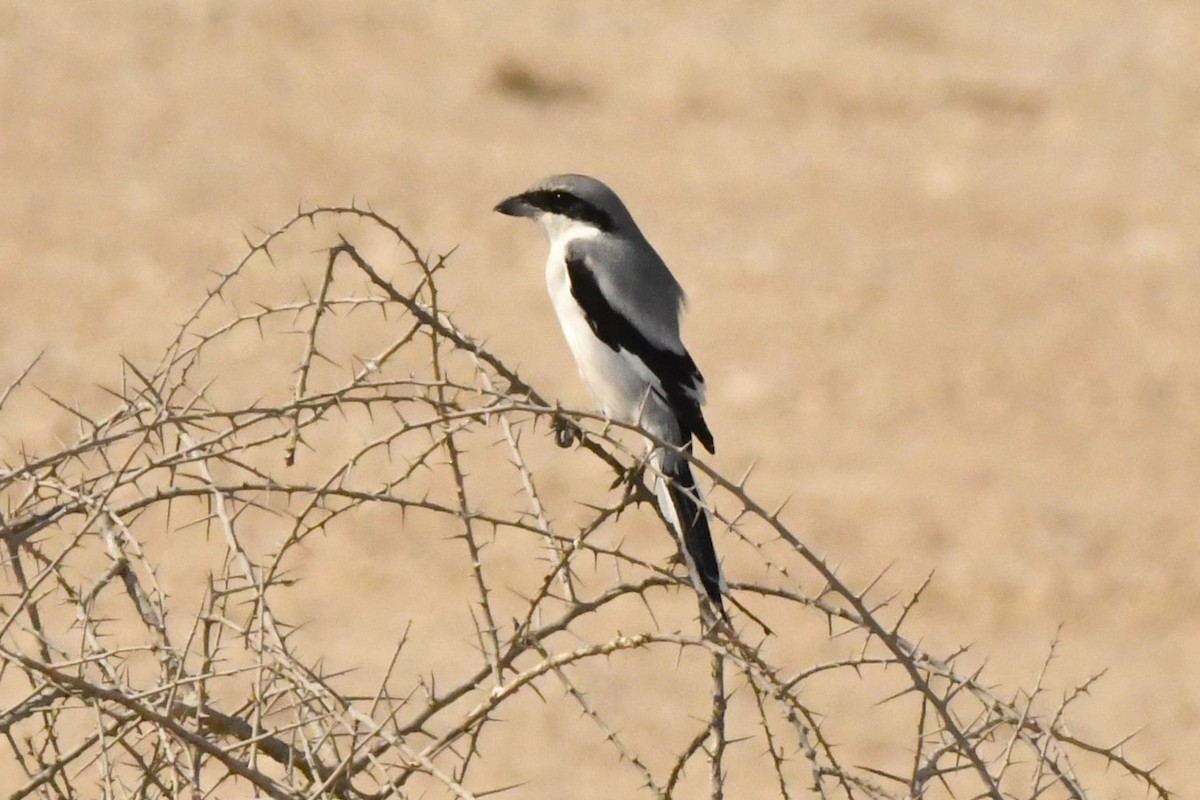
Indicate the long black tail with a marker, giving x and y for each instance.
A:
(679, 490)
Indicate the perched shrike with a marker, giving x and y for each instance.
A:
(619, 306)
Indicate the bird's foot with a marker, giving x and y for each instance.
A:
(634, 481)
(566, 432)
(630, 477)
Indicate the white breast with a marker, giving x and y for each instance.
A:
(617, 380)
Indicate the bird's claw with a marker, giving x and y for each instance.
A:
(630, 477)
(566, 432)
(633, 479)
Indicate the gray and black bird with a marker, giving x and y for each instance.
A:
(619, 308)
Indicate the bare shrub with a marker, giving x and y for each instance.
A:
(309, 401)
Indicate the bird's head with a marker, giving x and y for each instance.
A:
(573, 205)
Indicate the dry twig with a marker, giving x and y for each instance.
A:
(415, 433)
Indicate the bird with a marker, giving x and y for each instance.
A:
(619, 307)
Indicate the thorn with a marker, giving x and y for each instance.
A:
(741, 483)
(862, 596)
(774, 517)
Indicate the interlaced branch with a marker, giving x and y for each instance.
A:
(154, 566)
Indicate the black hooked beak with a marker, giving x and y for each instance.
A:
(517, 206)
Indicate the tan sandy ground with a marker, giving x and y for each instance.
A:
(942, 259)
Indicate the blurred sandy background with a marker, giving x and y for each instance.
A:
(941, 257)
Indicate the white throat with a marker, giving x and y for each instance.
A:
(560, 230)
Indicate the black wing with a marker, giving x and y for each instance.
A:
(676, 372)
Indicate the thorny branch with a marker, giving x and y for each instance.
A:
(122, 669)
